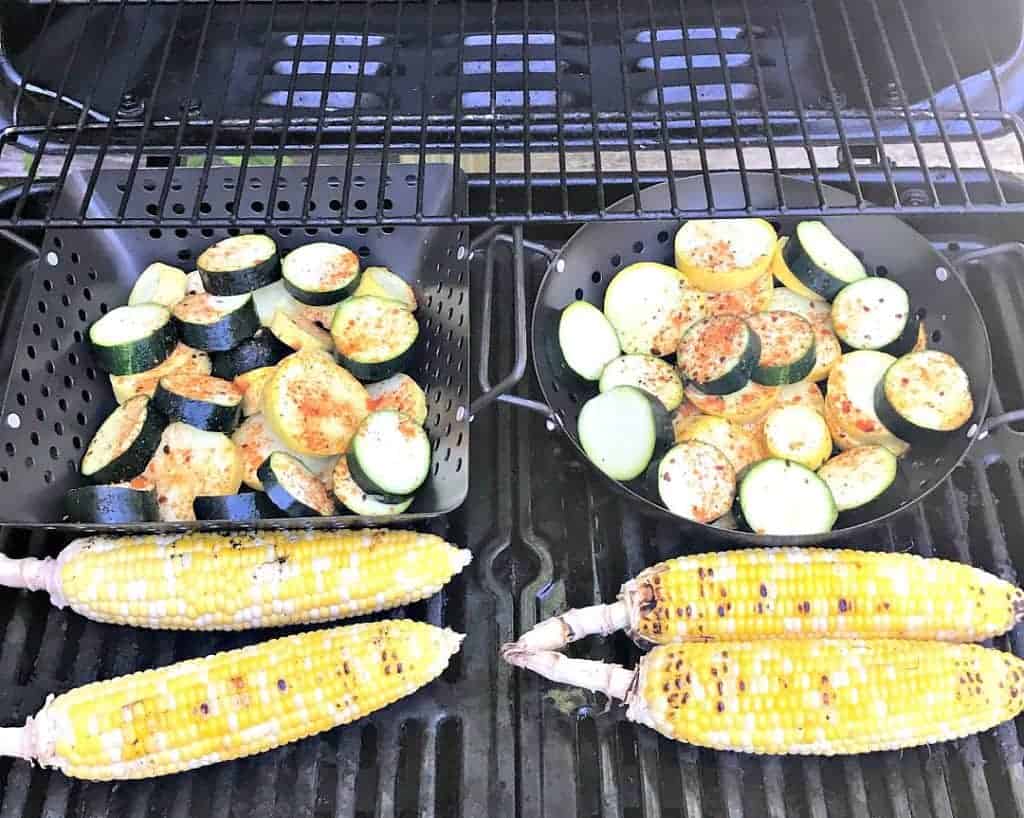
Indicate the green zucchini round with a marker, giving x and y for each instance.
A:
(262, 349)
(820, 261)
(320, 273)
(239, 264)
(718, 354)
(111, 504)
(293, 488)
(216, 323)
(788, 350)
(207, 403)
(375, 337)
(923, 397)
(124, 443)
(133, 339)
(389, 456)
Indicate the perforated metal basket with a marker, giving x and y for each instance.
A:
(55, 397)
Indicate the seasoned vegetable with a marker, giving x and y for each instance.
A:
(320, 273)
(261, 350)
(251, 385)
(587, 340)
(183, 360)
(789, 281)
(622, 429)
(375, 338)
(717, 355)
(696, 481)
(815, 310)
(652, 375)
(749, 405)
(293, 488)
(398, 392)
(924, 396)
(827, 353)
(780, 497)
(160, 284)
(350, 495)
(300, 333)
(239, 265)
(874, 313)
(382, 283)
(130, 340)
(390, 456)
(859, 475)
(207, 403)
(216, 323)
(124, 443)
(740, 446)
(256, 441)
(717, 255)
(787, 345)
(650, 306)
(820, 261)
(797, 433)
(851, 401)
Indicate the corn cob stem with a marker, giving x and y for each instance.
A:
(796, 593)
(243, 580)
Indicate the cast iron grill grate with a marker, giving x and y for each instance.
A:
(575, 94)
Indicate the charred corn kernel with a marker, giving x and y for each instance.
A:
(240, 580)
(825, 697)
(232, 704)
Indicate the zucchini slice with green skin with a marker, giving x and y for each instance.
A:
(859, 476)
(790, 282)
(399, 392)
(874, 313)
(815, 310)
(923, 397)
(621, 431)
(159, 283)
(696, 482)
(851, 399)
(788, 353)
(653, 375)
(390, 456)
(717, 255)
(351, 496)
(208, 403)
(110, 504)
(383, 283)
(650, 306)
(256, 441)
(587, 340)
(130, 340)
(239, 264)
(182, 361)
(216, 323)
(293, 488)
(820, 261)
(262, 349)
(320, 273)
(300, 333)
(249, 505)
(718, 355)
(124, 443)
(779, 497)
(375, 338)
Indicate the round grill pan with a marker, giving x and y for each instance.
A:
(891, 248)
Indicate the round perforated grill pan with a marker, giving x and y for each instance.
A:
(888, 246)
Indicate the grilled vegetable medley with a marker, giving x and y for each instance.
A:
(790, 404)
(262, 372)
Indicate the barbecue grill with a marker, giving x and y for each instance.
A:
(194, 119)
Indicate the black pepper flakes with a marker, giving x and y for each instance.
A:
(282, 684)
(721, 707)
(721, 610)
(764, 590)
(842, 606)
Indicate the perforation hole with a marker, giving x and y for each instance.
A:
(75, 258)
(360, 204)
(54, 453)
(34, 437)
(86, 396)
(47, 285)
(921, 313)
(41, 306)
(59, 320)
(58, 429)
(359, 181)
(256, 207)
(311, 231)
(149, 185)
(662, 237)
(284, 206)
(73, 358)
(31, 351)
(638, 247)
(10, 449)
(185, 254)
(90, 373)
(151, 209)
(30, 462)
(93, 275)
(234, 231)
(76, 441)
(616, 260)
(37, 330)
(579, 294)
(596, 276)
(62, 404)
(82, 418)
(66, 300)
(937, 336)
(882, 271)
(40, 414)
(47, 476)
(364, 252)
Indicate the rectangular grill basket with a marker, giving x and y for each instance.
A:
(55, 397)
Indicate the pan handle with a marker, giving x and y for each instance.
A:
(490, 240)
(1011, 248)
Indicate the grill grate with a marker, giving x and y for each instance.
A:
(569, 93)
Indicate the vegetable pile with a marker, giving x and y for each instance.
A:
(710, 378)
(282, 375)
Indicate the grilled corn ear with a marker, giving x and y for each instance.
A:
(225, 581)
(797, 593)
(231, 704)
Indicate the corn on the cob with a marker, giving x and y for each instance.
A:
(820, 697)
(797, 593)
(231, 581)
(232, 704)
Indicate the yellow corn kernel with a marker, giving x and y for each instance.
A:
(232, 704)
(247, 579)
(812, 592)
(825, 697)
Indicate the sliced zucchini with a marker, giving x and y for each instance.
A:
(129, 340)
(276, 297)
(786, 278)
(753, 298)
(874, 313)
(216, 323)
(820, 261)
(787, 348)
(779, 497)
(110, 504)
(256, 441)
(740, 446)
(300, 333)
(797, 433)
(717, 255)
(859, 476)
(850, 401)
(251, 385)
(159, 283)
(399, 392)
(190, 463)
(249, 505)
(805, 393)
(124, 443)
(587, 340)
(194, 283)
(208, 403)
(239, 264)
(320, 273)
(827, 353)
(696, 482)
(348, 493)
(653, 375)
(621, 431)
(389, 456)
(650, 306)
(293, 488)
(924, 396)
(383, 283)
(262, 349)
(817, 311)
(183, 360)
(717, 355)
(314, 405)
(749, 405)
(375, 338)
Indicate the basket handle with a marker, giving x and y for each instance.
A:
(491, 239)
(1011, 248)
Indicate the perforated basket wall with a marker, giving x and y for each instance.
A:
(56, 398)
